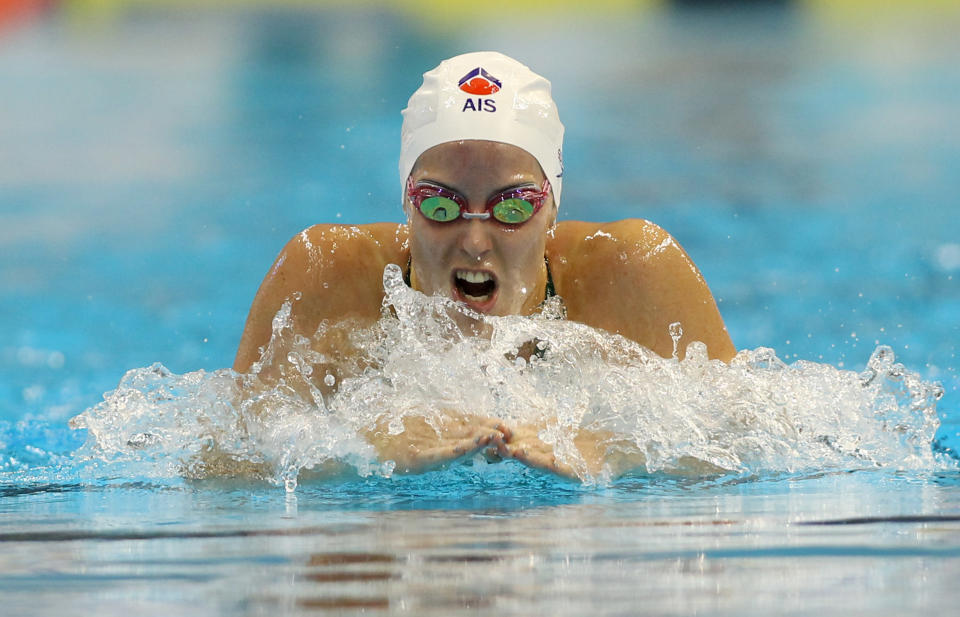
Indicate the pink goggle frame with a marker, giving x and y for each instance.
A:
(506, 207)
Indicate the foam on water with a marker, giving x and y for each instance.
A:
(303, 410)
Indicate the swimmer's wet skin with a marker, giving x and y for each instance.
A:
(481, 192)
(420, 396)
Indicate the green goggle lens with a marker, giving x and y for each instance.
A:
(440, 209)
(513, 211)
(510, 211)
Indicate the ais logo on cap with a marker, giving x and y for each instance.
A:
(479, 82)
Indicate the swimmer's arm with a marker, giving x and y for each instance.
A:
(601, 455)
(631, 277)
(337, 273)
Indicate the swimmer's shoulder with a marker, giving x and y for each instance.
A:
(358, 245)
(326, 272)
(327, 254)
(599, 267)
(578, 246)
(633, 278)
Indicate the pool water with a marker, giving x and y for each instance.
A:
(507, 544)
(153, 161)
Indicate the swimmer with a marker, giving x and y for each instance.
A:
(481, 172)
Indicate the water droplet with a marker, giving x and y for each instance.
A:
(937, 392)
(329, 379)
(676, 332)
(395, 427)
(696, 353)
(142, 440)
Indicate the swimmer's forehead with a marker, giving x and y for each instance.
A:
(463, 160)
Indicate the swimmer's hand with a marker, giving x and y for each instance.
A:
(601, 453)
(420, 447)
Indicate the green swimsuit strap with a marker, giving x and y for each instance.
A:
(550, 292)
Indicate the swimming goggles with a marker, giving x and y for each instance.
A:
(511, 207)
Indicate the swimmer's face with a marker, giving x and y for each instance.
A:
(491, 267)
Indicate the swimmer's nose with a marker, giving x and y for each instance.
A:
(475, 239)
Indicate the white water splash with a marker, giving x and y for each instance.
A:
(285, 418)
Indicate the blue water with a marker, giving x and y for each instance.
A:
(154, 161)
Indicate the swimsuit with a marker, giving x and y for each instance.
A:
(551, 292)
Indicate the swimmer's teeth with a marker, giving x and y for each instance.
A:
(473, 277)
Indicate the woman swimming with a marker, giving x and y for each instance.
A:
(481, 172)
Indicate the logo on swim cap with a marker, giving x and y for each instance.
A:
(478, 81)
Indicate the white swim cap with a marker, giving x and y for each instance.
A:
(484, 95)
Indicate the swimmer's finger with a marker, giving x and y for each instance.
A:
(486, 436)
(437, 455)
(477, 439)
(496, 424)
(462, 427)
(541, 458)
(551, 464)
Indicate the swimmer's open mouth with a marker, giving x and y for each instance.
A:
(474, 287)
